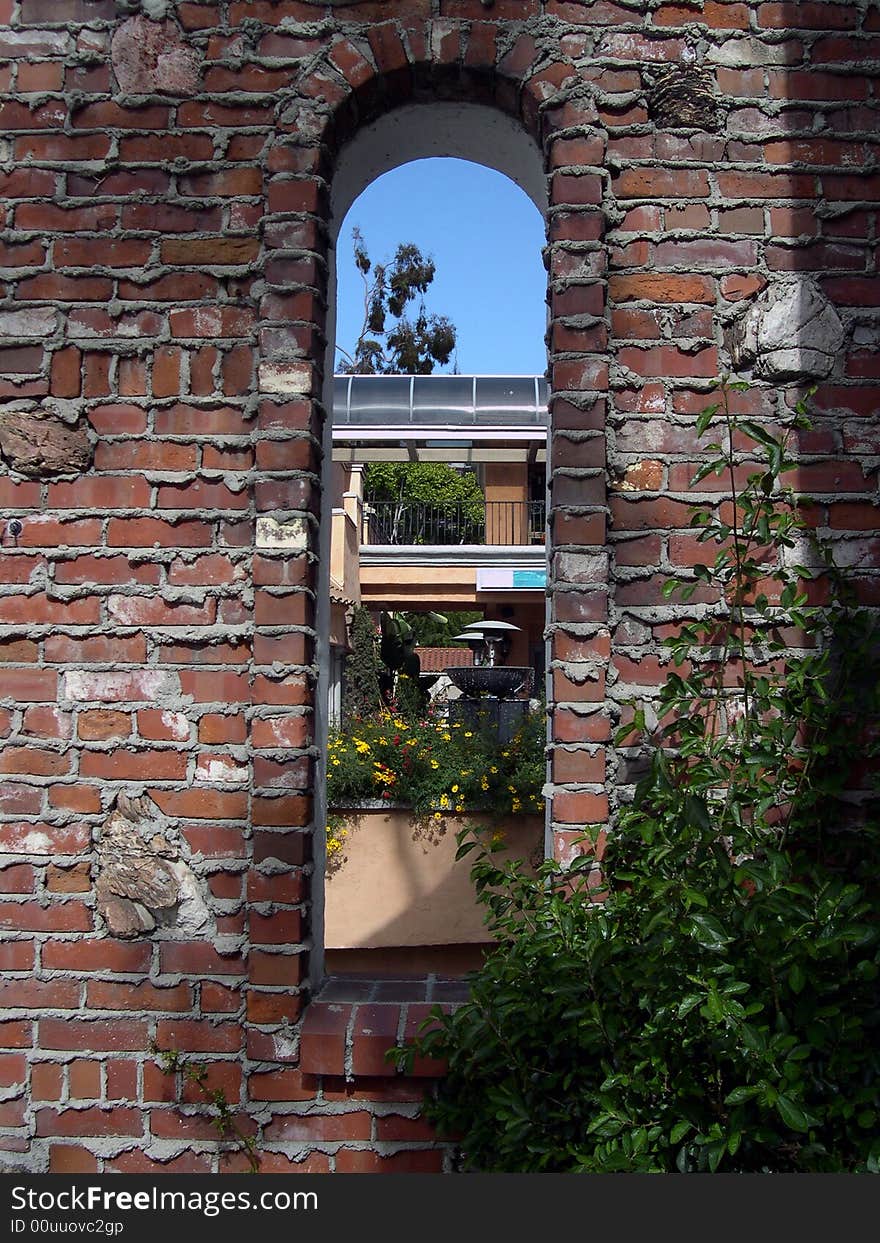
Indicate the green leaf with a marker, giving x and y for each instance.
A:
(708, 931)
(704, 418)
(741, 1094)
(697, 812)
(796, 978)
(792, 1114)
(687, 1004)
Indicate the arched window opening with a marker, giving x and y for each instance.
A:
(434, 521)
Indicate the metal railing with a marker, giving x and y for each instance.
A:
(494, 522)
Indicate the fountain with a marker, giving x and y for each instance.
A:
(488, 687)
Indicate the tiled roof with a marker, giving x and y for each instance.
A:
(436, 659)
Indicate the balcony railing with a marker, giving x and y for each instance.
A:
(494, 522)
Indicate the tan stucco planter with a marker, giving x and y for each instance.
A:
(397, 881)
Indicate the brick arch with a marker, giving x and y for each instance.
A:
(352, 87)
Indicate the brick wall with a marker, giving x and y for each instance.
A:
(163, 233)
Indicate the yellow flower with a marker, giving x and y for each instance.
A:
(455, 789)
(434, 764)
(468, 734)
(437, 815)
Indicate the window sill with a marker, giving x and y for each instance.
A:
(351, 1023)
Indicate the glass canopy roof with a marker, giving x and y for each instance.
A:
(448, 400)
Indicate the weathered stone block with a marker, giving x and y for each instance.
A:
(143, 882)
(683, 97)
(150, 56)
(791, 332)
(37, 443)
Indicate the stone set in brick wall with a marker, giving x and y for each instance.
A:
(165, 181)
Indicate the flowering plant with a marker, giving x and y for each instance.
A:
(437, 767)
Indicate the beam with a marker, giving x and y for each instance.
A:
(357, 453)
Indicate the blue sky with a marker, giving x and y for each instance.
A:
(485, 237)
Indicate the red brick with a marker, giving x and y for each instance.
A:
(280, 928)
(66, 378)
(220, 727)
(412, 1161)
(16, 878)
(662, 183)
(92, 569)
(192, 1036)
(144, 532)
(75, 879)
(13, 1069)
(661, 287)
(107, 492)
(273, 1008)
(302, 1128)
(134, 765)
(374, 1033)
(18, 799)
(18, 651)
(323, 1041)
(100, 252)
(121, 1080)
(35, 761)
(101, 995)
(216, 999)
(90, 1122)
(71, 1159)
(202, 804)
(16, 956)
(75, 798)
(39, 609)
(46, 1082)
(84, 1079)
(751, 186)
(18, 568)
(804, 15)
(136, 1162)
(103, 723)
(104, 954)
(274, 969)
(29, 686)
(63, 649)
(43, 839)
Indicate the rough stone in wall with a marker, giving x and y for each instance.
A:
(150, 56)
(153, 8)
(683, 97)
(790, 332)
(143, 883)
(37, 443)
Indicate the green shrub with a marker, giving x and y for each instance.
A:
(715, 1007)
